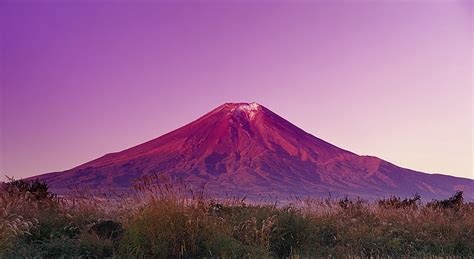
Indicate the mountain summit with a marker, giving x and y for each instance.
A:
(246, 149)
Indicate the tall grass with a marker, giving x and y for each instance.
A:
(163, 221)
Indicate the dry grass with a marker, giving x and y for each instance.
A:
(161, 221)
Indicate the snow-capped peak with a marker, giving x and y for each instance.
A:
(249, 108)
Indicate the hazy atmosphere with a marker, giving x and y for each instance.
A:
(79, 80)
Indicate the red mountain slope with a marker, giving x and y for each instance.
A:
(246, 149)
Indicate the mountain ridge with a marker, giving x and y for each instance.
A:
(246, 149)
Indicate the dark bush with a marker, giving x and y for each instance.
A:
(455, 202)
(107, 229)
(37, 189)
(397, 203)
(288, 234)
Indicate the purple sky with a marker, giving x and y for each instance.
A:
(391, 79)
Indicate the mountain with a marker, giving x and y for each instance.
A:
(245, 149)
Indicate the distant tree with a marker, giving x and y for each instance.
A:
(455, 202)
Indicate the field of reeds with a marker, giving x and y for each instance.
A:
(165, 222)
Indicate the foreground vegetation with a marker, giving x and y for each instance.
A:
(159, 221)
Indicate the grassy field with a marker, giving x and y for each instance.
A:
(162, 222)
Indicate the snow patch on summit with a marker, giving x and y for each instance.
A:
(250, 108)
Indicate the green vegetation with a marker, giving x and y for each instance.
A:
(160, 221)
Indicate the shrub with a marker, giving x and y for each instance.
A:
(291, 232)
(455, 202)
(33, 190)
(397, 203)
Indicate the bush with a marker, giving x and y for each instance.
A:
(35, 190)
(397, 203)
(291, 232)
(455, 202)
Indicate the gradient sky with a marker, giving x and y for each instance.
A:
(81, 79)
